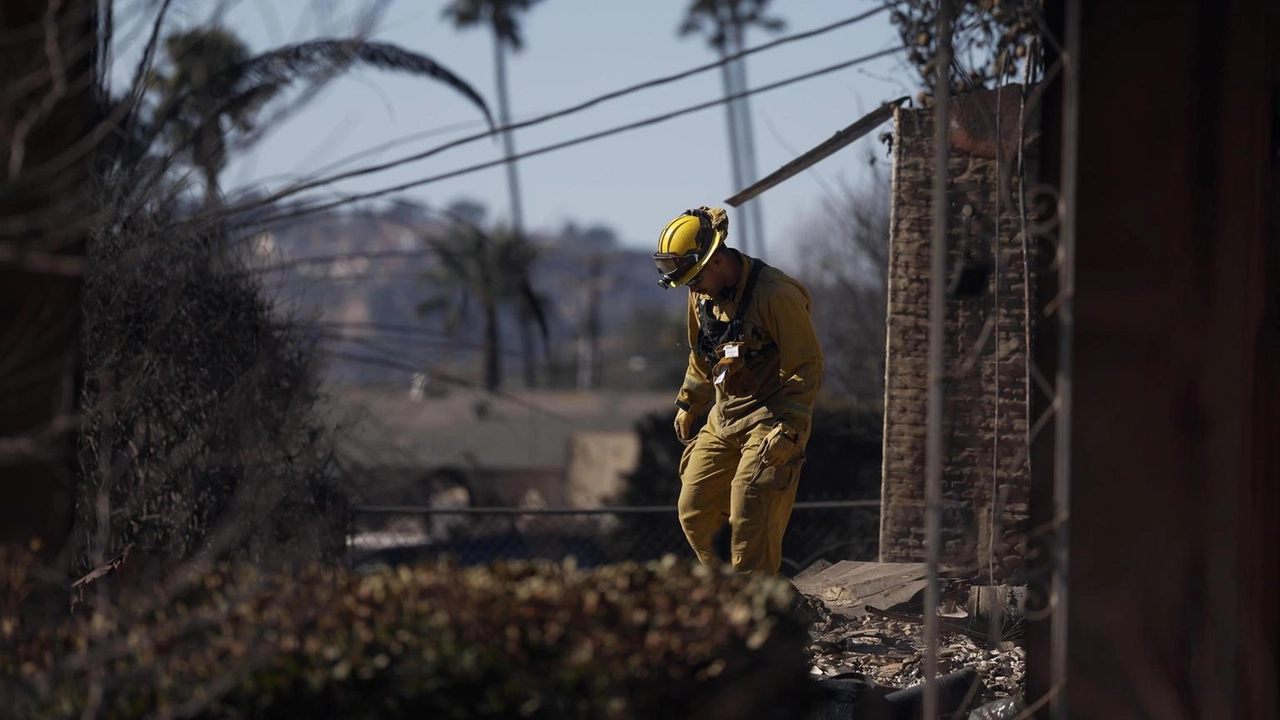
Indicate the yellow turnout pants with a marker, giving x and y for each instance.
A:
(721, 479)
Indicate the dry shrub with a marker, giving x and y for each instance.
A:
(539, 640)
(199, 431)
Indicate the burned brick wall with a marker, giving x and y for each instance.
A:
(986, 480)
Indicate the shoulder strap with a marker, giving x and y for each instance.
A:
(709, 338)
(756, 266)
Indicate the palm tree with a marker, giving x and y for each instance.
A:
(501, 17)
(725, 22)
(487, 269)
(192, 98)
(214, 86)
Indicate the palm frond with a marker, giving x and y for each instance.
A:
(718, 17)
(236, 91)
(265, 75)
(499, 15)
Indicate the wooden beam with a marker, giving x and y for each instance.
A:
(859, 128)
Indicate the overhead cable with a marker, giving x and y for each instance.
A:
(653, 120)
(537, 120)
(450, 379)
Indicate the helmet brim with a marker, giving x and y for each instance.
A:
(694, 271)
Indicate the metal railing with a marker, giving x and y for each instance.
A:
(831, 530)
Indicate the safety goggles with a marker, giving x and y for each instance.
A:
(673, 266)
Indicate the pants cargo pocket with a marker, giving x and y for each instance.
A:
(779, 478)
(685, 455)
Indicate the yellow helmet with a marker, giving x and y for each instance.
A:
(688, 242)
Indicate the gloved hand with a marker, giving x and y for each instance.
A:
(684, 426)
(779, 446)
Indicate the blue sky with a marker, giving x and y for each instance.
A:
(574, 50)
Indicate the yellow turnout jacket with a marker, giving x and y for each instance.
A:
(783, 356)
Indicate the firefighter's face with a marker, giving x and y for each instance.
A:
(715, 278)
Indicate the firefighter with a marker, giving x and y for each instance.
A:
(754, 371)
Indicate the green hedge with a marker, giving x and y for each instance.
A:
(540, 640)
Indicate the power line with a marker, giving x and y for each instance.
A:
(381, 327)
(321, 259)
(332, 332)
(569, 110)
(404, 343)
(372, 275)
(380, 347)
(450, 379)
(389, 145)
(653, 120)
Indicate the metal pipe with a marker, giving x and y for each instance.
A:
(1066, 325)
(937, 328)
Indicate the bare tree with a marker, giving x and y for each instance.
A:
(991, 39)
(846, 270)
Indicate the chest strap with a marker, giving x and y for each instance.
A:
(712, 333)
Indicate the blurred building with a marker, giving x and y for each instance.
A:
(539, 448)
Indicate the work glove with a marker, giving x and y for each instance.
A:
(684, 426)
(779, 446)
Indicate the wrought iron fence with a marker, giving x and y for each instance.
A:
(379, 535)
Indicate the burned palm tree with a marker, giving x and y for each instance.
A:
(214, 87)
(488, 270)
(725, 22)
(501, 17)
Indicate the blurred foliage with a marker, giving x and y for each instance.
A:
(645, 350)
(197, 406)
(489, 269)
(724, 21)
(538, 640)
(990, 39)
(502, 16)
(846, 269)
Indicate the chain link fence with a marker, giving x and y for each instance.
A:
(378, 536)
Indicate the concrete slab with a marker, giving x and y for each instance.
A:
(848, 586)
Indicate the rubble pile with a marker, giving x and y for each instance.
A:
(888, 648)
(891, 653)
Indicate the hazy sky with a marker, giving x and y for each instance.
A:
(574, 50)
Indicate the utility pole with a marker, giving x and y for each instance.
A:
(508, 138)
(746, 138)
(732, 111)
(589, 364)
